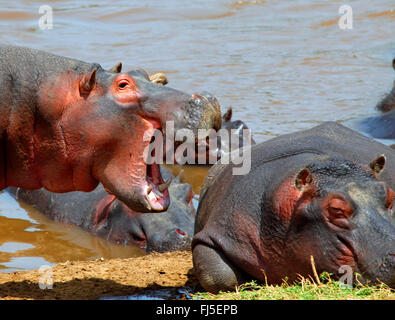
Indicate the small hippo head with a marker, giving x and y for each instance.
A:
(168, 231)
(344, 219)
(234, 134)
(109, 124)
(388, 103)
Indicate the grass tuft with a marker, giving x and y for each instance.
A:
(322, 288)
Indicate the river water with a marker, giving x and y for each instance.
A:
(282, 65)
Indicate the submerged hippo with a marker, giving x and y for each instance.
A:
(379, 127)
(234, 134)
(388, 103)
(66, 125)
(326, 192)
(103, 215)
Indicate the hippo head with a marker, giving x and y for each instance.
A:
(234, 134)
(388, 103)
(170, 230)
(109, 126)
(331, 213)
(344, 219)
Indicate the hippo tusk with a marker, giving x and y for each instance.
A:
(165, 185)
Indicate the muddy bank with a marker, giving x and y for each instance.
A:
(100, 278)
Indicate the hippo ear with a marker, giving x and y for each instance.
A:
(159, 78)
(303, 179)
(117, 68)
(377, 165)
(228, 115)
(87, 83)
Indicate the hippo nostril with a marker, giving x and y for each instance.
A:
(181, 233)
(137, 238)
(196, 100)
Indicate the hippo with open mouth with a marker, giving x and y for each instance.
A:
(325, 193)
(105, 216)
(66, 125)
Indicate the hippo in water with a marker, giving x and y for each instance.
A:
(325, 193)
(105, 216)
(380, 126)
(66, 125)
(388, 103)
(234, 134)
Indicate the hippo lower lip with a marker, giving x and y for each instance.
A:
(348, 251)
(156, 192)
(154, 195)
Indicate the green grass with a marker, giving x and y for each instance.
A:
(304, 289)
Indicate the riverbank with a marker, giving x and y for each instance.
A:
(101, 278)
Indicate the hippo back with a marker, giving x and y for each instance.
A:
(329, 139)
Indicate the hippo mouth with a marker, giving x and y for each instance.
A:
(156, 189)
(348, 255)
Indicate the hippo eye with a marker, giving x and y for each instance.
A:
(339, 208)
(123, 84)
(336, 211)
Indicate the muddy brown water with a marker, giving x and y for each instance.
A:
(282, 65)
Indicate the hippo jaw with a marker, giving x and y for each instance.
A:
(129, 175)
(170, 230)
(120, 125)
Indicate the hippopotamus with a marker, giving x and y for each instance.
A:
(105, 216)
(234, 134)
(323, 195)
(388, 103)
(66, 125)
(378, 127)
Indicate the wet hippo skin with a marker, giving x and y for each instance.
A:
(66, 125)
(326, 192)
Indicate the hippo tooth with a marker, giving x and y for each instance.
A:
(165, 185)
(149, 189)
(158, 194)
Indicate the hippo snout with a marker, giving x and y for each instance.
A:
(175, 239)
(202, 111)
(385, 272)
